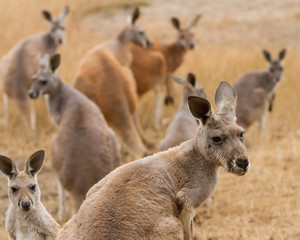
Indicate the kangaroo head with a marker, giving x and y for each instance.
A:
(135, 33)
(23, 189)
(219, 139)
(185, 36)
(275, 65)
(57, 25)
(190, 86)
(45, 81)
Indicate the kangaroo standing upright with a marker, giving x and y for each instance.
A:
(184, 125)
(256, 91)
(151, 68)
(156, 197)
(104, 76)
(26, 217)
(84, 149)
(21, 62)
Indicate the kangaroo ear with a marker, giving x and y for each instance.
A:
(35, 163)
(267, 55)
(178, 79)
(191, 78)
(281, 54)
(225, 100)
(64, 13)
(135, 15)
(54, 62)
(8, 167)
(195, 21)
(176, 23)
(200, 108)
(47, 15)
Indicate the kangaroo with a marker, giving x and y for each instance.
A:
(184, 125)
(256, 92)
(104, 76)
(26, 217)
(21, 62)
(151, 68)
(156, 197)
(84, 149)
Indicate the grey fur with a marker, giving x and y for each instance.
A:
(256, 91)
(21, 62)
(156, 197)
(26, 217)
(184, 126)
(84, 149)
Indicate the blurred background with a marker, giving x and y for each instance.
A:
(263, 204)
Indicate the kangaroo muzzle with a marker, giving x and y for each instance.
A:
(33, 94)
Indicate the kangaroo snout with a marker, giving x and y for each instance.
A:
(25, 205)
(242, 163)
(33, 94)
(149, 44)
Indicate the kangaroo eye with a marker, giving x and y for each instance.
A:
(216, 139)
(33, 187)
(14, 189)
(43, 82)
(241, 136)
(141, 33)
(272, 70)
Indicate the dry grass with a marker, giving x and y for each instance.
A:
(264, 204)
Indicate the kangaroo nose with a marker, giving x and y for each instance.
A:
(149, 44)
(25, 205)
(242, 163)
(32, 94)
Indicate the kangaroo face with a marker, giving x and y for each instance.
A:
(23, 189)
(45, 81)
(275, 65)
(24, 192)
(57, 25)
(42, 83)
(139, 37)
(186, 37)
(224, 143)
(276, 69)
(219, 138)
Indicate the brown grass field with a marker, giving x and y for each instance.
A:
(263, 204)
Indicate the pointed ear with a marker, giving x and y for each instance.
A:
(178, 79)
(281, 54)
(267, 55)
(135, 15)
(54, 62)
(195, 21)
(225, 100)
(47, 15)
(8, 167)
(35, 163)
(191, 78)
(176, 23)
(200, 108)
(64, 13)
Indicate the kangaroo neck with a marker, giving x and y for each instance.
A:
(50, 43)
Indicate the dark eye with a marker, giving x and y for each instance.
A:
(33, 187)
(181, 37)
(241, 136)
(216, 139)
(14, 189)
(141, 33)
(272, 70)
(43, 82)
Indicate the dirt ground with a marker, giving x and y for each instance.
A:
(263, 204)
